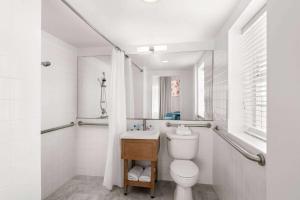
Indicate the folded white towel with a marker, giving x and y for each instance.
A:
(146, 175)
(181, 130)
(135, 173)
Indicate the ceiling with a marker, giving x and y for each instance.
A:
(182, 25)
(179, 60)
(134, 22)
(60, 21)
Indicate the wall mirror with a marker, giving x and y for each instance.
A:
(172, 86)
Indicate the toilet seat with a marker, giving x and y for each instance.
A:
(184, 168)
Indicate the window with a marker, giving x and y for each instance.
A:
(200, 84)
(254, 75)
(199, 97)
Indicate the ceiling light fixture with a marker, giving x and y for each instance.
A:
(143, 49)
(148, 49)
(150, 1)
(164, 61)
(160, 48)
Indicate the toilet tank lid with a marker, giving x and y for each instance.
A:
(184, 168)
(193, 136)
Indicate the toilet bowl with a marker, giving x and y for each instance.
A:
(185, 174)
(183, 171)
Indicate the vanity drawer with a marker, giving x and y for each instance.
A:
(138, 149)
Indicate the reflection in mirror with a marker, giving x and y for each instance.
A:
(173, 86)
(93, 87)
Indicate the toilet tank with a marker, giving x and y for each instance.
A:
(182, 147)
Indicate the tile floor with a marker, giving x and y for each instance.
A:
(90, 188)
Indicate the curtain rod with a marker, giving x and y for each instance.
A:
(96, 30)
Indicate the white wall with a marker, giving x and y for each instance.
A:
(59, 107)
(91, 149)
(20, 82)
(234, 177)
(283, 176)
(91, 143)
(90, 69)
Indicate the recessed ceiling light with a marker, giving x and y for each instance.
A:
(150, 1)
(148, 49)
(160, 48)
(164, 61)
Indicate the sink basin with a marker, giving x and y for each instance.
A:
(150, 135)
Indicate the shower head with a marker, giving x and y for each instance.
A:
(46, 63)
(103, 79)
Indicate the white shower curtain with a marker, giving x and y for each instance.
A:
(113, 174)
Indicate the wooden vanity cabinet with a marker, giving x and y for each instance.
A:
(140, 149)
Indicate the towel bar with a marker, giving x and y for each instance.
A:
(80, 123)
(259, 158)
(57, 128)
(207, 125)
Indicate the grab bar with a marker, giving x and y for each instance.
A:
(259, 158)
(80, 123)
(207, 125)
(57, 128)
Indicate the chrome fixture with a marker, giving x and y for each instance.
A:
(144, 124)
(207, 125)
(103, 103)
(46, 63)
(80, 123)
(57, 128)
(259, 158)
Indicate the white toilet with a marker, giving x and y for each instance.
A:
(184, 172)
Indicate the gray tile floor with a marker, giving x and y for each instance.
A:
(90, 188)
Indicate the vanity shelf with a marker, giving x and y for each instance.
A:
(140, 149)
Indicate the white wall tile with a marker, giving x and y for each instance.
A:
(91, 150)
(59, 106)
(20, 117)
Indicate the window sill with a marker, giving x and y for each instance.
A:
(250, 142)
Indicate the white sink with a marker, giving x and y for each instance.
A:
(150, 135)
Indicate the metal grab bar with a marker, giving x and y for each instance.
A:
(80, 123)
(57, 128)
(259, 158)
(207, 125)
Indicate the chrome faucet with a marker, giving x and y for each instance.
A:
(144, 124)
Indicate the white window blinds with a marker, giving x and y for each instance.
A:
(254, 74)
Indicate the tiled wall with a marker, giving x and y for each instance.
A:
(234, 177)
(90, 69)
(91, 149)
(59, 107)
(220, 88)
(20, 100)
